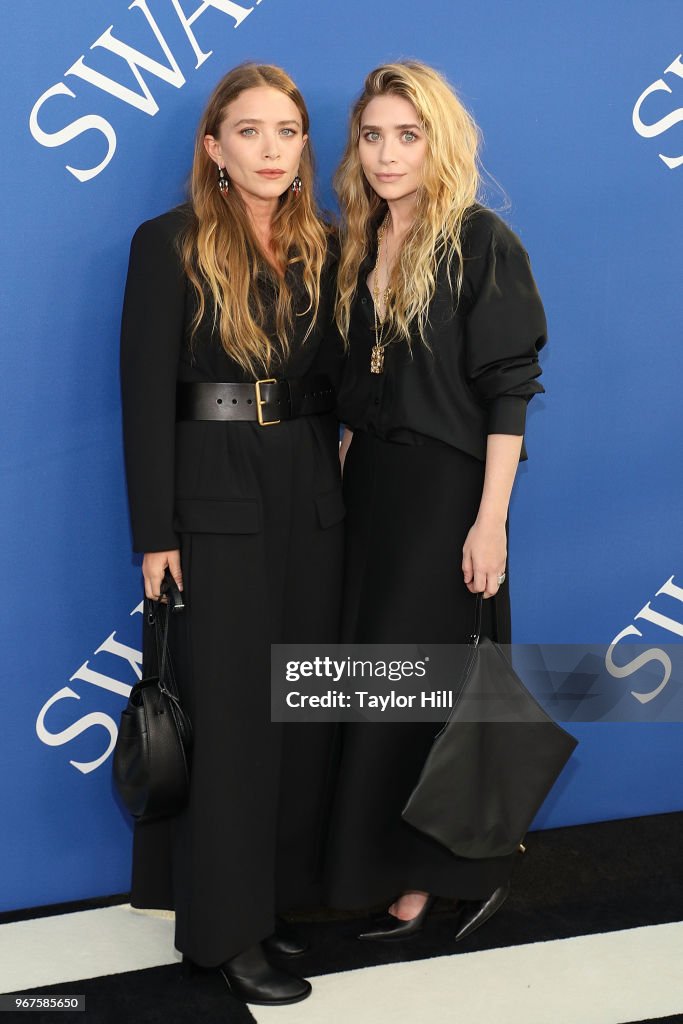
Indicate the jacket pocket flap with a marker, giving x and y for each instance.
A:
(330, 507)
(206, 515)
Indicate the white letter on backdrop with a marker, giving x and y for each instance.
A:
(135, 60)
(654, 654)
(226, 6)
(72, 131)
(649, 131)
(57, 739)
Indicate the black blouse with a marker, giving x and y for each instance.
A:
(483, 365)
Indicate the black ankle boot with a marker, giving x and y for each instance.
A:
(252, 979)
(285, 941)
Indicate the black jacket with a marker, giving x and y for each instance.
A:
(161, 456)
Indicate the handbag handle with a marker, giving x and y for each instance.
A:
(478, 608)
(171, 588)
(164, 645)
(175, 602)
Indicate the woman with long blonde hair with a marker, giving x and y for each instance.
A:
(443, 323)
(231, 447)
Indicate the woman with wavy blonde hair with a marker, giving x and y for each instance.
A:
(442, 323)
(234, 485)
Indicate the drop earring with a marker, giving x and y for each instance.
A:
(223, 183)
(296, 185)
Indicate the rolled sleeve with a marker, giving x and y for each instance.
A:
(507, 415)
(505, 329)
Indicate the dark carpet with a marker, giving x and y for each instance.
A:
(578, 880)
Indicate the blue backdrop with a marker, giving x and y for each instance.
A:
(582, 113)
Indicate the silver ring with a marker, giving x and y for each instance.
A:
(501, 578)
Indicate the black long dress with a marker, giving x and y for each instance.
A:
(413, 481)
(257, 513)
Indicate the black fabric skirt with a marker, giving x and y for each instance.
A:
(249, 842)
(408, 511)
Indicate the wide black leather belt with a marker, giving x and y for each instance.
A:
(268, 401)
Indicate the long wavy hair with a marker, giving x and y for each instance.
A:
(450, 184)
(221, 254)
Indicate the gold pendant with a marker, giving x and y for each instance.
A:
(377, 359)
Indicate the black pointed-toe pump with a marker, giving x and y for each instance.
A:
(390, 928)
(475, 912)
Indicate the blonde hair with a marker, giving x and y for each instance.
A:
(220, 250)
(449, 186)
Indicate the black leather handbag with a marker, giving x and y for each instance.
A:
(493, 762)
(151, 763)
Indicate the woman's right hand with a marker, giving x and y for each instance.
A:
(153, 567)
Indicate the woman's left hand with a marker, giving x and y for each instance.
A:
(483, 557)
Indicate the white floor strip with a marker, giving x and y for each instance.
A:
(87, 944)
(593, 979)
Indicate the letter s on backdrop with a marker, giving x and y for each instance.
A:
(72, 131)
(649, 131)
(57, 739)
(654, 654)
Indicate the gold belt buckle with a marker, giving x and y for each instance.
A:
(260, 401)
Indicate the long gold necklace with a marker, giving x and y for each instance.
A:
(377, 354)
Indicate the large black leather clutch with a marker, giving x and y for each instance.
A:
(493, 762)
(151, 762)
